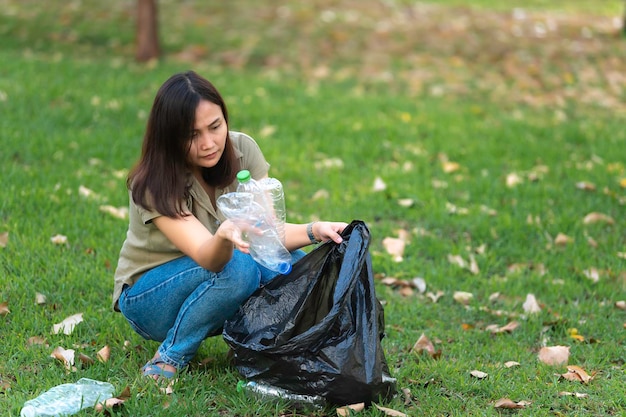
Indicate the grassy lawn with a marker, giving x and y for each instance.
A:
(498, 137)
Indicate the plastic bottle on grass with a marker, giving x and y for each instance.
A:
(67, 399)
(267, 392)
(265, 245)
(276, 197)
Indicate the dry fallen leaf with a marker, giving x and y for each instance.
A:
(67, 326)
(510, 364)
(36, 340)
(576, 374)
(586, 186)
(390, 412)
(513, 179)
(394, 247)
(117, 212)
(479, 374)
(40, 299)
(507, 403)
(554, 355)
(573, 333)
(463, 297)
(573, 394)
(113, 402)
(59, 239)
(64, 355)
(596, 217)
(562, 239)
(531, 306)
(593, 274)
(620, 304)
(346, 410)
(4, 239)
(4, 309)
(379, 185)
(450, 167)
(85, 360)
(424, 344)
(435, 296)
(104, 354)
(508, 328)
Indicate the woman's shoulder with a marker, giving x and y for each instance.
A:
(241, 139)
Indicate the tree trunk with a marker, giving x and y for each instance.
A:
(147, 31)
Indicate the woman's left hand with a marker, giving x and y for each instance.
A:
(324, 231)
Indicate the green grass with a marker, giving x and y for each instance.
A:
(72, 111)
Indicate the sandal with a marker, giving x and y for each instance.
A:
(152, 369)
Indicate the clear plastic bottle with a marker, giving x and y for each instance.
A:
(247, 184)
(254, 220)
(267, 392)
(66, 399)
(275, 194)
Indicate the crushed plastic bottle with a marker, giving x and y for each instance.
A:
(267, 392)
(67, 399)
(276, 197)
(265, 245)
(247, 184)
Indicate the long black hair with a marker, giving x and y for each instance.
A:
(159, 179)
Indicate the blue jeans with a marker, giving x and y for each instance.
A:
(180, 303)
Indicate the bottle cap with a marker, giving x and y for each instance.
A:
(244, 175)
(284, 268)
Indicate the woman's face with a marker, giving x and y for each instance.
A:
(208, 137)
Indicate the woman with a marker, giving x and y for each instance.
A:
(183, 268)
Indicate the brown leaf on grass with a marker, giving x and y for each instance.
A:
(114, 402)
(479, 374)
(104, 354)
(379, 185)
(67, 326)
(573, 333)
(66, 356)
(513, 179)
(577, 374)
(85, 360)
(506, 403)
(117, 212)
(348, 410)
(390, 412)
(562, 239)
(573, 394)
(531, 306)
(40, 299)
(463, 297)
(36, 340)
(586, 186)
(4, 308)
(596, 217)
(593, 274)
(620, 305)
(450, 167)
(5, 386)
(507, 328)
(511, 364)
(59, 239)
(434, 297)
(4, 239)
(554, 355)
(424, 344)
(394, 247)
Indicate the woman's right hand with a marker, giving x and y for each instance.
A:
(231, 232)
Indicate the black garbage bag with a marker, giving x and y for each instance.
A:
(317, 330)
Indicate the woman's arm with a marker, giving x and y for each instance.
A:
(210, 251)
(297, 236)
